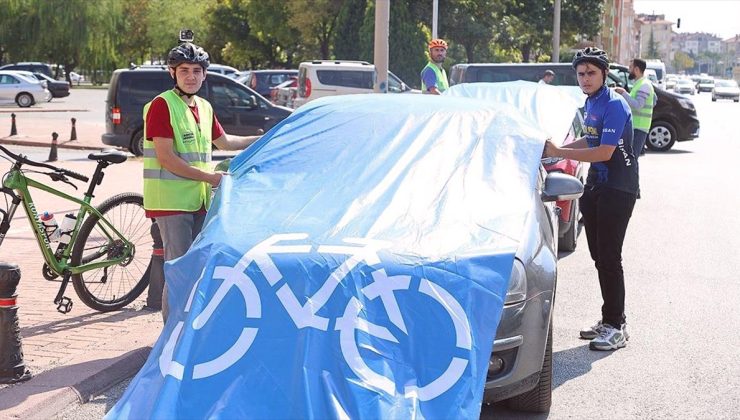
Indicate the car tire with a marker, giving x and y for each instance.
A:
(569, 240)
(137, 143)
(661, 137)
(714, 99)
(24, 100)
(736, 100)
(538, 399)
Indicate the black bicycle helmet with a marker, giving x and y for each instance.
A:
(593, 55)
(188, 53)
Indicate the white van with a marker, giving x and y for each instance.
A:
(321, 78)
(659, 68)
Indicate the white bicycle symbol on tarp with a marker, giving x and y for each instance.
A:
(305, 316)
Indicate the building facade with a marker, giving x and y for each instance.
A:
(655, 38)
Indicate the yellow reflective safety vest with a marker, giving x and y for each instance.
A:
(442, 84)
(643, 117)
(164, 190)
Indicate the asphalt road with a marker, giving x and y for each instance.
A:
(681, 260)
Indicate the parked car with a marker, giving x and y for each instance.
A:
(240, 110)
(409, 226)
(58, 88)
(224, 70)
(283, 93)
(652, 76)
(674, 116)
(321, 78)
(725, 89)
(22, 89)
(557, 111)
(263, 81)
(33, 67)
(670, 82)
(684, 86)
(706, 84)
(76, 78)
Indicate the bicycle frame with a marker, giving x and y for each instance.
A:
(18, 182)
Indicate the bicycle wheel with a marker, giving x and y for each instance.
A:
(111, 288)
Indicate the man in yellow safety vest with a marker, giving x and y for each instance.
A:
(642, 100)
(433, 76)
(179, 127)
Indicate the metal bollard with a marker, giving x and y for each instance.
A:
(13, 129)
(53, 151)
(156, 271)
(73, 136)
(12, 367)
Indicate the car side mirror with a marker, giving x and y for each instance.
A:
(561, 187)
(251, 102)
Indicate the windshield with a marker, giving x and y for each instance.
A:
(726, 83)
(707, 81)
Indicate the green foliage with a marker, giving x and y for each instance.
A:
(347, 36)
(681, 61)
(652, 49)
(406, 42)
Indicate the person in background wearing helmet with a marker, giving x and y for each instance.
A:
(433, 76)
(642, 100)
(179, 127)
(547, 78)
(610, 191)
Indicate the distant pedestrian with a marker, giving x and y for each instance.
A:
(642, 100)
(610, 191)
(548, 77)
(433, 75)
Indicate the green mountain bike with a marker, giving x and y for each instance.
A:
(106, 254)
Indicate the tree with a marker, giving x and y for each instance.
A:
(681, 61)
(346, 36)
(406, 42)
(315, 21)
(471, 24)
(652, 50)
(166, 18)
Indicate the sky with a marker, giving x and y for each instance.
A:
(719, 17)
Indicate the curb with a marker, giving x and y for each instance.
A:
(81, 392)
(61, 145)
(30, 111)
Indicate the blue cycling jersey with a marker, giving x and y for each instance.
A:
(608, 120)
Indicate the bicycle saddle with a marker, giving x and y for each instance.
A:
(110, 156)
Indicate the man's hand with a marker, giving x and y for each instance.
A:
(215, 178)
(619, 90)
(550, 150)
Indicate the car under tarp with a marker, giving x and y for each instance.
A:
(354, 264)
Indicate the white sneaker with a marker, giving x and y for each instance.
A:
(610, 338)
(594, 331)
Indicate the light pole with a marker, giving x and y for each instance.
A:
(382, 18)
(555, 33)
(435, 12)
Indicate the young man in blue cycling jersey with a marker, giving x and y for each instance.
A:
(610, 192)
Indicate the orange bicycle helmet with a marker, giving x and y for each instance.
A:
(437, 43)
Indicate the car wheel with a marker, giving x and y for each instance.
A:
(662, 136)
(24, 100)
(569, 240)
(714, 99)
(539, 399)
(137, 143)
(736, 100)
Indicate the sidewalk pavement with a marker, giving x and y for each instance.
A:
(77, 355)
(35, 129)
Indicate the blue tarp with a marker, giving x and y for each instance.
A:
(550, 108)
(353, 265)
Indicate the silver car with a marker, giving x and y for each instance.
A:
(22, 89)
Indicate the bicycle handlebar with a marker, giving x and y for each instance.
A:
(25, 160)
